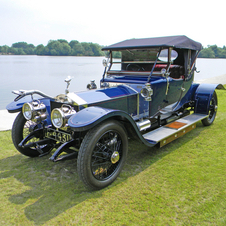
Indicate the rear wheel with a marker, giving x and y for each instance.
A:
(21, 128)
(212, 111)
(102, 154)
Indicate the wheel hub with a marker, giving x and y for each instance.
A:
(115, 157)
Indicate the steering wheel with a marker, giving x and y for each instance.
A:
(134, 67)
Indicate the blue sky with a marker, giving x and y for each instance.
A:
(107, 22)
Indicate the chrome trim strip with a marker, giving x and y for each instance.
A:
(77, 99)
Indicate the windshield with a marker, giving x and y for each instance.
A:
(130, 59)
(139, 60)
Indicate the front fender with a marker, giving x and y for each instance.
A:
(89, 117)
(203, 95)
(16, 106)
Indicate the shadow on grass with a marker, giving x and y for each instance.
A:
(49, 189)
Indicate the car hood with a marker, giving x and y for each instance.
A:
(99, 95)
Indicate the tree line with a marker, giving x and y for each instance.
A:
(58, 47)
(62, 47)
(213, 51)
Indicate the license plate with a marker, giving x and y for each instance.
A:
(57, 135)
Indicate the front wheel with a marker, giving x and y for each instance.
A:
(21, 128)
(212, 111)
(102, 154)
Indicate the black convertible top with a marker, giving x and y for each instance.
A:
(181, 42)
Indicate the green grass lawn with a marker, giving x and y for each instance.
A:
(183, 183)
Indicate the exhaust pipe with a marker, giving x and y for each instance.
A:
(145, 124)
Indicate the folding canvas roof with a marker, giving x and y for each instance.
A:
(181, 42)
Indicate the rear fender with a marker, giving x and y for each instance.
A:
(203, 95)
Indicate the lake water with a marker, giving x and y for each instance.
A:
(47, 73)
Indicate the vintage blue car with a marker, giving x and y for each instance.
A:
(146, 92)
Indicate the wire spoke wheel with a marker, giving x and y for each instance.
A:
(106, 155)
(21, 128)
(102, 154)
(212, 111)
(27, 130)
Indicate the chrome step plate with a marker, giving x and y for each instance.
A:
(166, 134)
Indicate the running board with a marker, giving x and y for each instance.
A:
(174, 130)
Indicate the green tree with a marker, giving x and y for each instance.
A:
(213, 51)
(65, 49)
(54, 52)
(40, 50)
(62, 41)
(54, 48)
(216, 50)
(29, 51)
(223, 52)
(46, 51)
(59, 47)
(20, 51)
(22, 45)
(116, 54)
(5, 49)
(96, 49)
(87, 48)
(23, 48)
(12, 50)
(77, 50)
(73, 43)
(207, 53)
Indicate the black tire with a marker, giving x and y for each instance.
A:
(212, 111)
(20, 130)
(102, 154)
